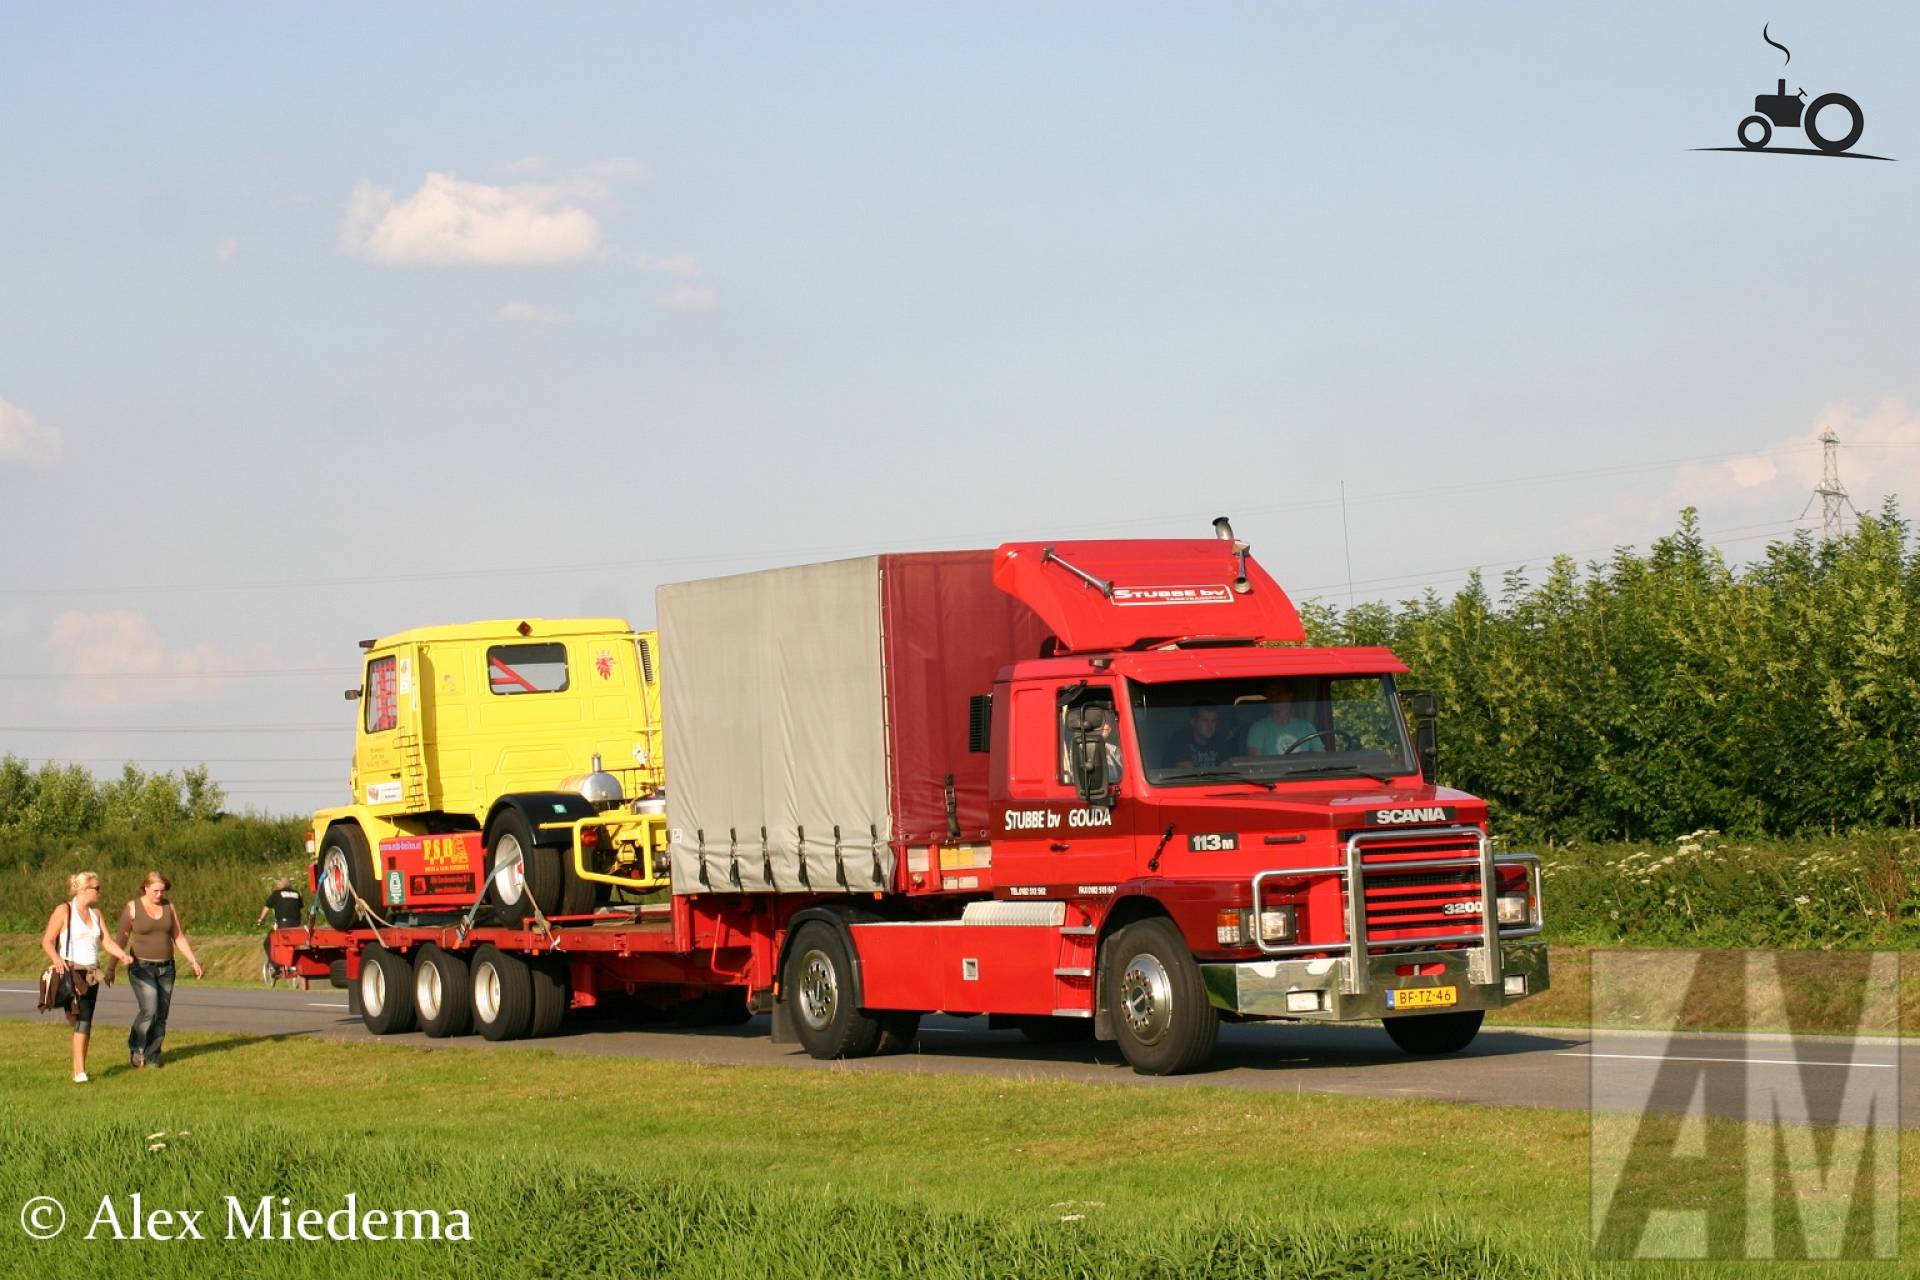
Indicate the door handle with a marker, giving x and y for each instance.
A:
(1058, 846)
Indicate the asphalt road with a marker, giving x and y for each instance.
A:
(1824, 1078)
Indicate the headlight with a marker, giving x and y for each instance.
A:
(1513, 908)
(1276, 924)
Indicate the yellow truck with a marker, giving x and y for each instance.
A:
(521, 758)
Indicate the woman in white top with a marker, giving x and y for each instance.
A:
(75, 936)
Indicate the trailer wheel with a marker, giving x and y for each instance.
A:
(1160, 1012)
(386, 992)
(549, 978)
(819, 982)
(1426, 1033)
(442, 992)
(346, 868)
(520, 873)
(502, 994)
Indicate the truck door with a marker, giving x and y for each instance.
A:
(389, 771)
(1048, 843)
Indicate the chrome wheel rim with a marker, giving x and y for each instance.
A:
(819, 989)
(333, 880)
(373, 988)
(426, 991)
(1146, 998)
(509, 871)
(486, 992)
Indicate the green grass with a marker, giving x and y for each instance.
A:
(627, 1167)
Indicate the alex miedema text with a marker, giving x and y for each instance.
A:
(275, 1218)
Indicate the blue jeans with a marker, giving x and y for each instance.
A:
(153, 987)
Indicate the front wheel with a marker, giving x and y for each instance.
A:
(1161, 1017)
(1433, 1033)
(1755, 132)
(1856, 122)
(346, 870)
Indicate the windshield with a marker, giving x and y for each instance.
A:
(1269, 729)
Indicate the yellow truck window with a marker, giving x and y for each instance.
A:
(527, 668)
(382, 700)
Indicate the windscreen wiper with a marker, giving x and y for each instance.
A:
(1323, 770)
(1212, 775)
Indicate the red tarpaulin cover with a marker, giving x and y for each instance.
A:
(947, 631)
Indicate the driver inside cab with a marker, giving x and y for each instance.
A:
(1284, 729)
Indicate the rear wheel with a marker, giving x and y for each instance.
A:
(1435, 1032)
(549, 978)
(442, 992)
(1161, 1017)
(1856, 122)
(386, 992)
(819, 982)
(502, 994)
(346, 869)
(520, 874)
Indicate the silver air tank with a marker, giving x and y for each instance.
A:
(601, 789)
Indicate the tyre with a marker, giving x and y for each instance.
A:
(520, 874)
(268, 974)
(502, 994)
(1856, 122)
(1161, 1017)
(1425, 1033)
(1044, 1030)
(819, 981)
(386, 992)
(442, 993)
(549, 978)
(346, 868)
(1751, 141)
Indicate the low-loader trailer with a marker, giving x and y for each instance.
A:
(1100, 789)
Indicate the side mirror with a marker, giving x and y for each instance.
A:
(353, 695)
(1426, 739)
(1087, 754)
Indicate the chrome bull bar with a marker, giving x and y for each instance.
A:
(1352, 873)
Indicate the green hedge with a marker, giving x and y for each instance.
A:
(1654, 694)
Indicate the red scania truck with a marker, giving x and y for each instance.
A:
(1098, 788)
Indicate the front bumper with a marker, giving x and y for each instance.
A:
(1259, 988)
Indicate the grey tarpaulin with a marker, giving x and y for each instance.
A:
(775, 712)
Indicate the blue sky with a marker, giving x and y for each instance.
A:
(316, 325)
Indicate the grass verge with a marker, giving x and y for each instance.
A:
(625, 1167)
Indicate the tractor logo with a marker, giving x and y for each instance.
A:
(1832, 122)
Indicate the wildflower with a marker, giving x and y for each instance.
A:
(1802, 900)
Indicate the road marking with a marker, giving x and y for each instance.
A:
(20, 991)
(315, 1004)
(1758, 1062)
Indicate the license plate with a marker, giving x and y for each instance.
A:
(1423, 997)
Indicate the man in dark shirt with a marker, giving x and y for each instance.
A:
(285, 903)
(1200, 747)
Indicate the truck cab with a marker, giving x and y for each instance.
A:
(1185, 757)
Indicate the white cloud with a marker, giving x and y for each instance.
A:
(224, 252)
(448, 221)
(122, 643)
(680, 264)
(527, 313)
(689, 297)
(25, 439)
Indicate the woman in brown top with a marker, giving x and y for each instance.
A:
(154, 929)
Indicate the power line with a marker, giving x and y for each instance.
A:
(300, 672)
(204, 728)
